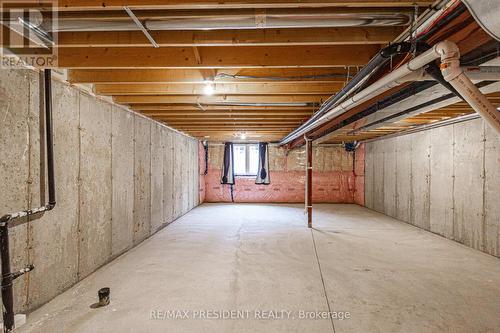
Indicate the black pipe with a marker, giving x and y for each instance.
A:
(49, 139)
(435, 72)
(7, 290)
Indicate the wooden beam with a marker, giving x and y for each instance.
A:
(230, 120)
(221, 108)
(274, 131)
(209, 4)
(227, 118)
(232, 126)
(206, 130)
(191, 76)
(219, 89)
(205, 115)
(234, 122)
(256, 37)
(178, 122)
(268, 135)
(216, 57)
(139, 99)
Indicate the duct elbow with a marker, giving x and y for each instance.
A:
(447, 50)
(450, 59)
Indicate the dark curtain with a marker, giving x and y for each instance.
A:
(227, 176)
(263, 171)
(205, 149)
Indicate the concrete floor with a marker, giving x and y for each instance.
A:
(389, 276)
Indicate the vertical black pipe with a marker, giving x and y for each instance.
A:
(7, 290)
(49, 139)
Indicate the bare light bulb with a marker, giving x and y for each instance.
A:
(208, 89)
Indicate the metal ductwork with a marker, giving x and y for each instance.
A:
(486, 14)
(256, 19)
(263, 21)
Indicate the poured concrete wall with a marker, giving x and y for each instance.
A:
(114, 176)
(445, 180)
(334, 177)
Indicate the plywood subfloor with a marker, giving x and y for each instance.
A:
(390, 277)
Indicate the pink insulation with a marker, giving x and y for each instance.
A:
(201, 163)
(334, 179)
(285, 187)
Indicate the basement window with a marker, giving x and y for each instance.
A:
(246, 159)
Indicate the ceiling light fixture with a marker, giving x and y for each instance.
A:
(243, 136)
(209, 88)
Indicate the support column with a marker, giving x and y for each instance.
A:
(309, 182)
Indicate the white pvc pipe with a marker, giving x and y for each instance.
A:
(474, 73)
(403, 74)
(480, 73)
(457, 78)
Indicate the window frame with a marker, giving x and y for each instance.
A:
(247, 159)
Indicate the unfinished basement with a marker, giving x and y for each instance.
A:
(250, 166)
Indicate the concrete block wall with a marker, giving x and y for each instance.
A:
(445, 180)
(120, 178)
(334, 177)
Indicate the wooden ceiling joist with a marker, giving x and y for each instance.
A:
(208, 115)
(223, 108)
(231, 132)
(256, 37)
(267, 99)
(266, 81)
(192, 76)
(234, 123)
(239, 128)
(216, 57)
(220, 89)
(227, 117)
